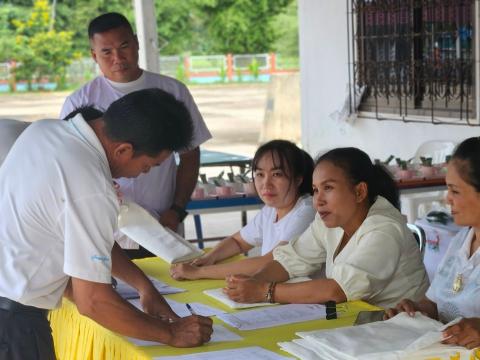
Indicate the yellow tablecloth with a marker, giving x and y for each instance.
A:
(78, 337)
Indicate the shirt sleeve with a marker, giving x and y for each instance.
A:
(305, 254)
(200, 130)
(252, 233)
(89, 225)
(298, 223)
(370, 267)
(67, 107)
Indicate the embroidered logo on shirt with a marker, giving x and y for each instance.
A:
(103, 259)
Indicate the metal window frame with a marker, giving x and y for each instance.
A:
(355, 93)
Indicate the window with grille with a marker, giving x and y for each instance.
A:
(413, 60)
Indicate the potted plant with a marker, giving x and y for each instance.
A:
(403, 172)
(221, 187)
(426, 168)
(248, 185)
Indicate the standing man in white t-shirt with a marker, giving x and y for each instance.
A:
(165, 191)
(59, 211)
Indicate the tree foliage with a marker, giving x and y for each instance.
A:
(39, 49)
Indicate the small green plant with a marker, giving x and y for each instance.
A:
(447, 158)
(203, 178)
(223, 74)
(390, 158)
(231, 177)
(254, 69)
(180, 74)
(426, 161)
(239, 75)
(218, 180)
(402, 164)
(243, 178)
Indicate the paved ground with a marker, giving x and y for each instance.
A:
(233, 113)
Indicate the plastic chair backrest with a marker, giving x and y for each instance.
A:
(419, 235)
(435, 149)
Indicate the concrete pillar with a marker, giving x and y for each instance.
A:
(147, 35)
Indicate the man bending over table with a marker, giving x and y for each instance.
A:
(59, 213)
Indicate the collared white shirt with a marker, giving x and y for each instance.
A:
(457, 262)
(380, 264)
(58, 212)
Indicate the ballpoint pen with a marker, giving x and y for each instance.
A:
(190, 309)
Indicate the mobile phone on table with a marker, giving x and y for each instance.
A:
(365, 317)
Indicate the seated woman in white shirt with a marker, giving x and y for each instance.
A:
(455, 290)
(282, 174)
(358, 233)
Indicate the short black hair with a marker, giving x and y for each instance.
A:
(293, 161)
(466, 159)
(88, 112)
(358, 167)
(152, 120)
(108, 21)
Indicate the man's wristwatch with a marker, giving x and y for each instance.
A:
(181, 212)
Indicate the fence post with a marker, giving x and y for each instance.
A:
(12, 78)
(273, 63)
(229, 67)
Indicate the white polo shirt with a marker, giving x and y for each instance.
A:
(264, 230)
(58, 212)
(153, 191)
(380, 264)
(10, 130)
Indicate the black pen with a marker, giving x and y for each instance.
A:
(190, 309)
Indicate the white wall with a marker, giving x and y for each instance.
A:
(324, 79)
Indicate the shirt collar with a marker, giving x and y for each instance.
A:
(86, 133)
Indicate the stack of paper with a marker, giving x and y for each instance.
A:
(137, 223)
(401, 337)
(128, 292)
(274, 316)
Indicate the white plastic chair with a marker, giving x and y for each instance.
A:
(437, 150)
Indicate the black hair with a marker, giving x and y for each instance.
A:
(294, 162)
(108, 21)
(88, 112)
(466, 159)
(358, 167)
(151, 120)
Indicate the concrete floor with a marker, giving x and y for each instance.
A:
(233, 113)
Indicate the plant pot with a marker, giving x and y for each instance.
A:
(198, 193)
(427, 171)
(249, 189)
(404, 174)
(224, 190)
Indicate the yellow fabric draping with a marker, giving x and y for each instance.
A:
(78, 337)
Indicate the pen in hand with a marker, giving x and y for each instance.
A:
(190, 309)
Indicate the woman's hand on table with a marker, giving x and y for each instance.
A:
(245, 289)
(154, 304)
(465, 333)
(190, 331)
(184, 271)
(207, 259)
(406, 305)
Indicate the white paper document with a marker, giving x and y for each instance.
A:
(128, 292)
(274, 316)
(401, 337)
(247, 353)
(181, 309)
(218, 295)
(137, 223)
(220, 334)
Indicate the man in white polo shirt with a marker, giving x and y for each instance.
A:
(164, 191)
(59, 212)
